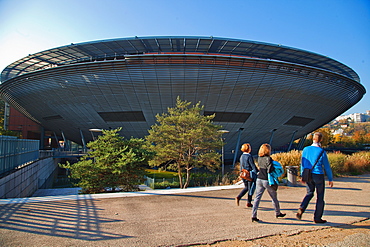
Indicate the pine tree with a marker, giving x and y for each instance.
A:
(112, 162)
(184, 139)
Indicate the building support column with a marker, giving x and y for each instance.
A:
(301, 142)
(291, 141)
(6, 116)
(272, 136)
(56, 139)
(83, 139)
(42, 138)
(65, 141)
(237, 146)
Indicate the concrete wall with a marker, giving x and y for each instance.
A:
(25, 181)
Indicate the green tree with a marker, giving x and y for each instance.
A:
(184, 139)
(112, 162)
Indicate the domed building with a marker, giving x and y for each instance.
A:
(259, 92)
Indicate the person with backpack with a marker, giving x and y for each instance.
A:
(266, 167)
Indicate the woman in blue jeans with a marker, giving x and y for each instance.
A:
(247, 162)
(265, 167)
(311, 155)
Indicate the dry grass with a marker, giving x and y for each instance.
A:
(357, 163)
(341, 164)
(292, 158)
(337, 161)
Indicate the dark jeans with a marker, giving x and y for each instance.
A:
(318, 183)
(248, 186)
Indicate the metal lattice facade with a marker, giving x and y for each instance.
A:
(262, 88)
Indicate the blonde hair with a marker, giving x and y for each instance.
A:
(246, 147)
(265, 150)
(317, 137)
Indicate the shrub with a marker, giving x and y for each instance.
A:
(341, 164)
(291, 158)
(199, 179)
(160, 173)
(211, 179)
(357, 163)
(165, 184)
(336, 161)
(202, 179)
(112, 162)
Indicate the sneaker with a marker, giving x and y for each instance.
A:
(255, 220)
(249, 205)
(237, 199)
(320, 221)
(281, 215)
(299, 213)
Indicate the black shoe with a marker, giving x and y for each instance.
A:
(280, 215)
(237, 199)
(299, 213)
(249, 205)
(255, 220)
(320, 221)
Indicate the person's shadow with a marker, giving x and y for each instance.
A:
(68, 219)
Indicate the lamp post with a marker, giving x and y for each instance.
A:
(94, 130)
(222, 152)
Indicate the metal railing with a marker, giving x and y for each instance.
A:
(63, 153)
(16, 152)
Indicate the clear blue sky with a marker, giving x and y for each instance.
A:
(339, 29)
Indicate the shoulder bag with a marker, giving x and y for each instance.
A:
(245, 174)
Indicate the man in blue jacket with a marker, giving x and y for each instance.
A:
(311, 155)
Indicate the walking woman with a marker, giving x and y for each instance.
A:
(247, 162)
(265, 164)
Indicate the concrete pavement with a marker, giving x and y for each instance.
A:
(171, 217)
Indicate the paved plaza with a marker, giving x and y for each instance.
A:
(172, 217)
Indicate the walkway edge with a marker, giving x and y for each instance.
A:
(115, 195)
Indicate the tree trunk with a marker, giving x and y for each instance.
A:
(187, 178)
(180, 175)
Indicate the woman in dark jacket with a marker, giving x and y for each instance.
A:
(247, 162)
(265, 166)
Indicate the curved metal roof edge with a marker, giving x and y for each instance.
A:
(201, 37)
(360, 87)
(354, 75)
